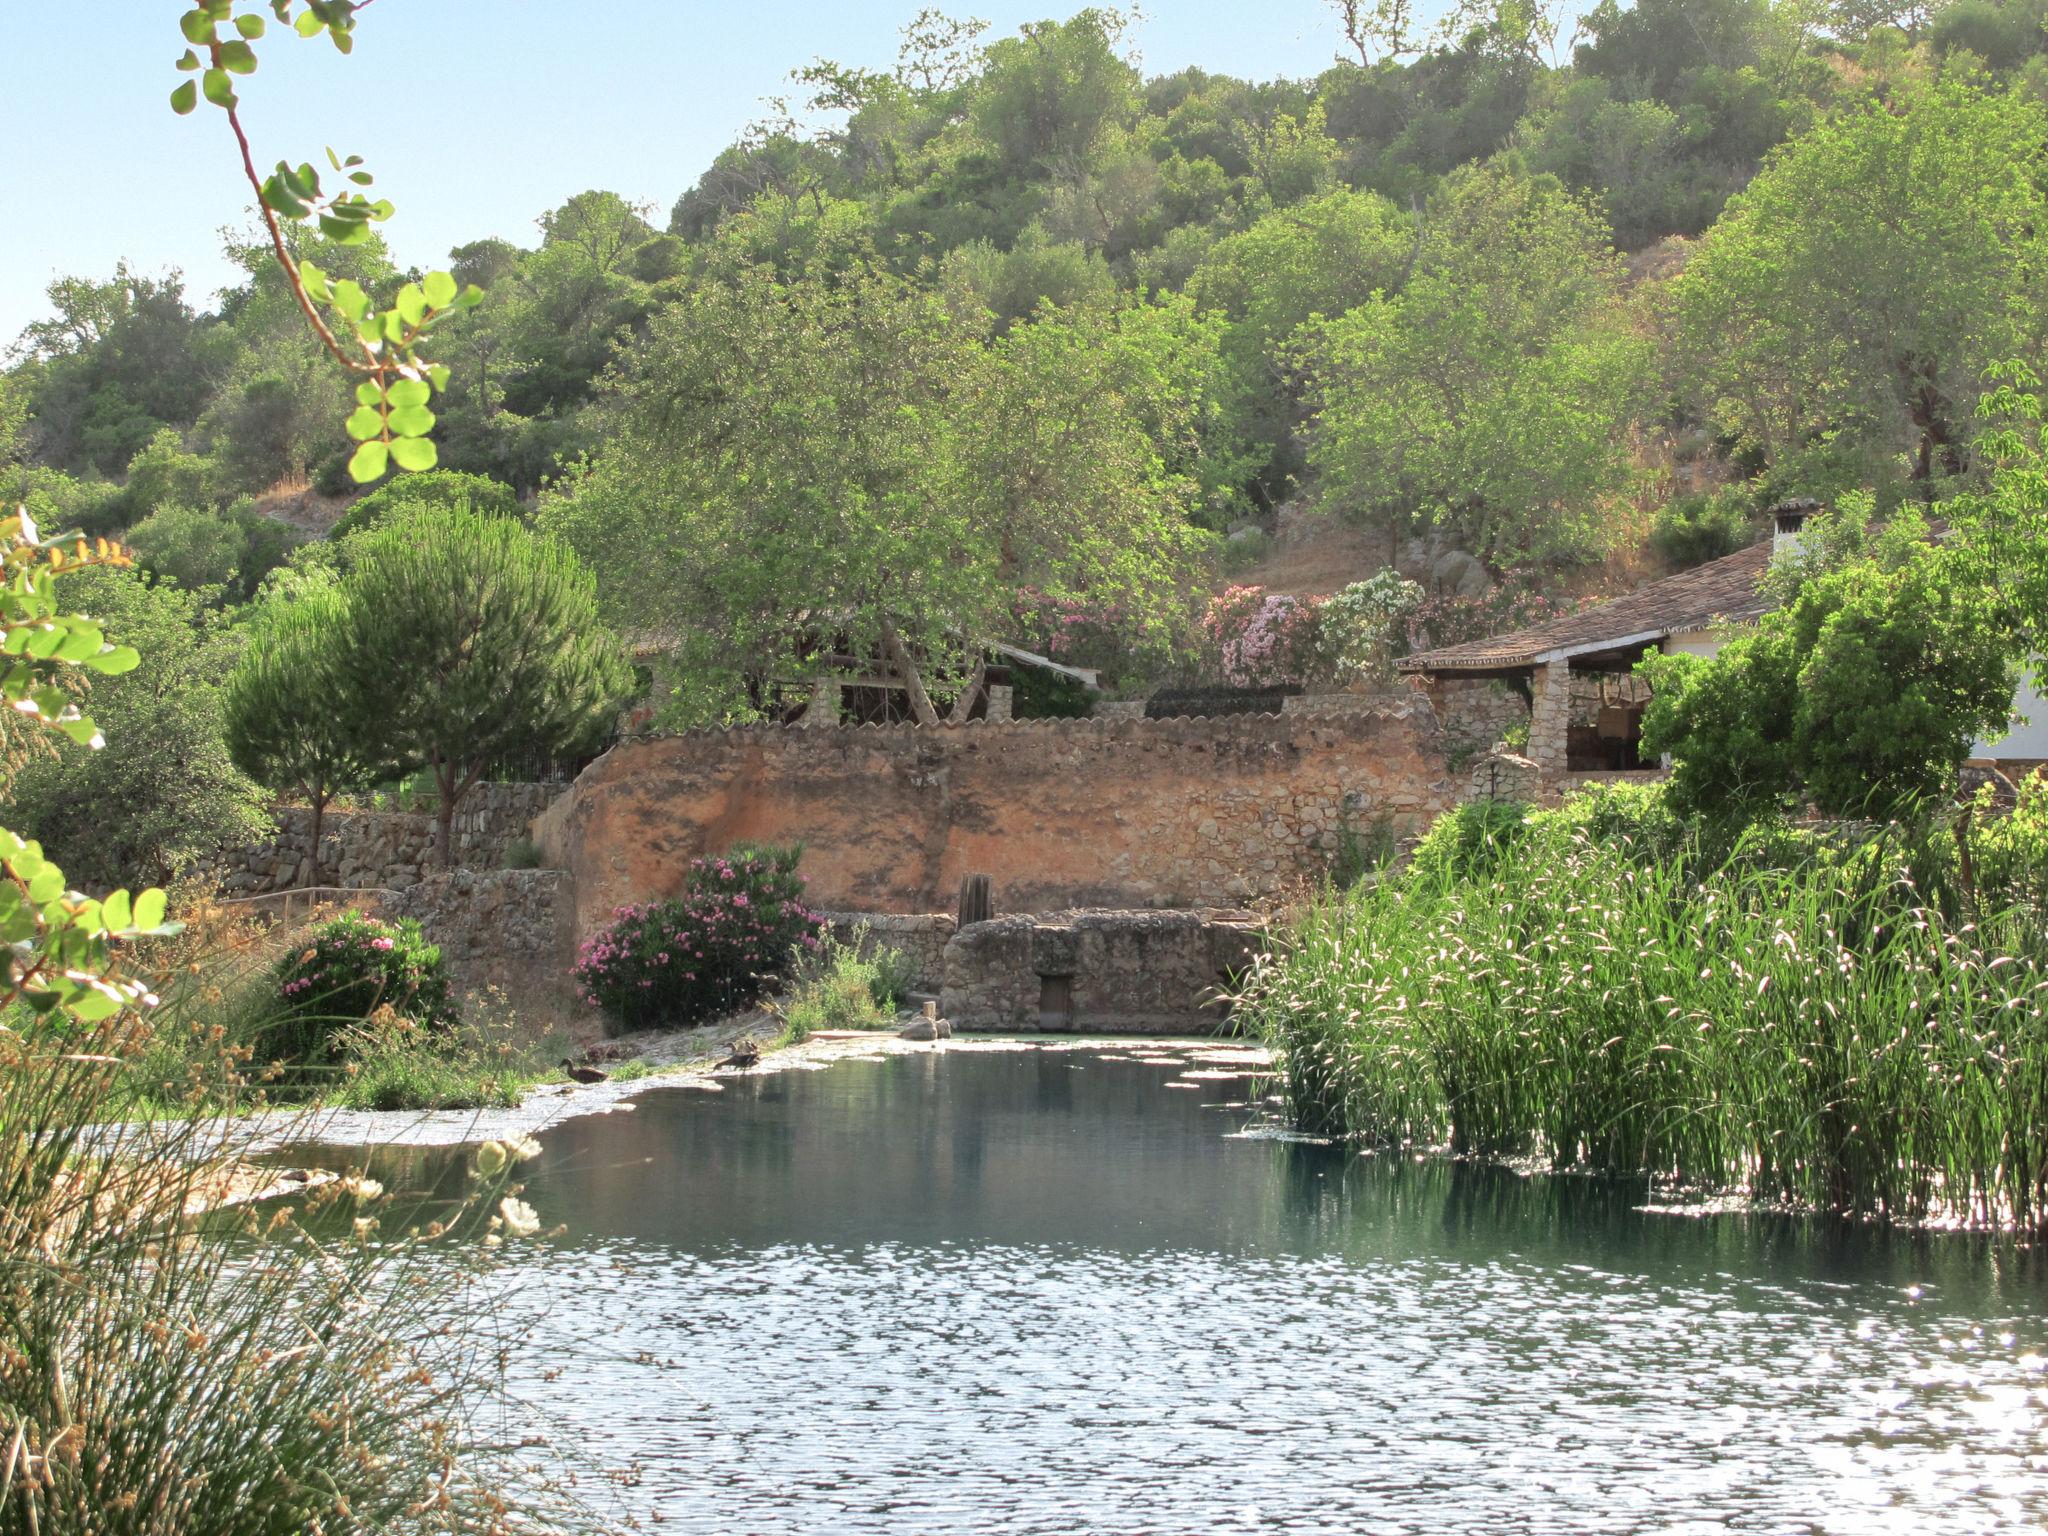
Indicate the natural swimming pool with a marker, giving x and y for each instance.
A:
(1042, 1290)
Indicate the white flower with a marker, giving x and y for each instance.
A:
(490, 1160)
(361, 1187)
(523, 1148)
(520, 1219)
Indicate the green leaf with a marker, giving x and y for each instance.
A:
(238, 57)
(412, 304)
(184, 98)
(440, 289)
(189, 63)
(440, 374)
(307, 24)
(369, 393)
(343, 231)
(368, 462)
(219, 89)
(316, 282)
(46, 885)
(197, 27)
(364, 423)
(406, 393)
(471, 297)
(90, 1006)
(350, 299)
(413, 421)
(415, 453)
(149, 909)
(116, 911)
(250, 27)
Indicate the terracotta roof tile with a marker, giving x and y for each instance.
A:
(1723, 589)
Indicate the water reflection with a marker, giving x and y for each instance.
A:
(1041, 1292)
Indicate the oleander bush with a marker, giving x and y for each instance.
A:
(349, 969)
(718, 946)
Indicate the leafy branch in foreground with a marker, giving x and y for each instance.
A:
(380, 347)
(59, 942)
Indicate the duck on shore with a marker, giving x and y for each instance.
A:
(584, 1074)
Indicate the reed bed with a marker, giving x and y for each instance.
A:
(1810, 1033)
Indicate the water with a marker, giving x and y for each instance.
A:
(1041, 1291)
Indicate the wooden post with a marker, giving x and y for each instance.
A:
(977, 899)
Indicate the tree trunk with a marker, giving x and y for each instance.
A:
(444, 815)
(913, 680)
(963, 705)
(319, 800)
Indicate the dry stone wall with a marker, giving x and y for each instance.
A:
(1098, 813)
(1131, 972)
(508, 929)
(384, 850)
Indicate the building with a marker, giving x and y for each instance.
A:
(1576, 673)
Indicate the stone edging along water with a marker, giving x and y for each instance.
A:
(550, 1104)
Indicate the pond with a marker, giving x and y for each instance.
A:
(1041, 1290)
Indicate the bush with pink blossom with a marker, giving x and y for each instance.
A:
(346, 971)
(714, 948)
(1263, 640)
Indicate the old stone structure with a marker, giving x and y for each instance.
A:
(1135, 972)
(502, 928)
(920, 937)
(384, 850)
(1100, 813)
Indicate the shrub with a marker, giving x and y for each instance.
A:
(845, 984)
(1041, 695)
(1463, 842)
(715, 948)
(349, 969)
(440, 489)
(1261, 639)
(393, 1063)
(2011, 851)
(522, 853)
(1361, 627)
(1695, 529)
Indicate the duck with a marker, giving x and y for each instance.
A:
(745, 1052)
(580, 1074)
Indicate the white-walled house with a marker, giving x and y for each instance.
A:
(1576, 672)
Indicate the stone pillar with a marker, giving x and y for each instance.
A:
(823, 713)
(999, 697)
(1549, 710)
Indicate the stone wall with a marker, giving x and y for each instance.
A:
(384, 850)
(503, 928)
(1131, 972)
(1475, 711)
(1061, 813)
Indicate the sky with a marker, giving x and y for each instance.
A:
(476, 115)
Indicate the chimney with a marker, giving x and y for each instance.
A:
(1788, 523)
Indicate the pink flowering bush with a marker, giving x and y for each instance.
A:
(1263, 640)
(715, 948)
(350, 968)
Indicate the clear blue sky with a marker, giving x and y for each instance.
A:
(477, 115)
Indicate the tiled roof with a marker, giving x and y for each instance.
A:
(1721, 590)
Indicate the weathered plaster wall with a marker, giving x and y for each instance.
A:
(366, 850)
(1109, 813)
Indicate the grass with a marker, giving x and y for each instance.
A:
(1809, 1032)
(329, 1363)
(844, 984)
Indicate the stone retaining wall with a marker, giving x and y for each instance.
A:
(1129, 972)
(503, 928)
(387, 850)
(1097, 813)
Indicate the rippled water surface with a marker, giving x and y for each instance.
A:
(1042, 1291)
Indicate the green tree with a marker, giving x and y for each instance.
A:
(796, 468)
(177, 800)
(1841, 316)
(1492, 397)
(478, 639)
(1863, 695)
(300, 713)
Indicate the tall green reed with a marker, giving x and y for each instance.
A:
(1804, 1031)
